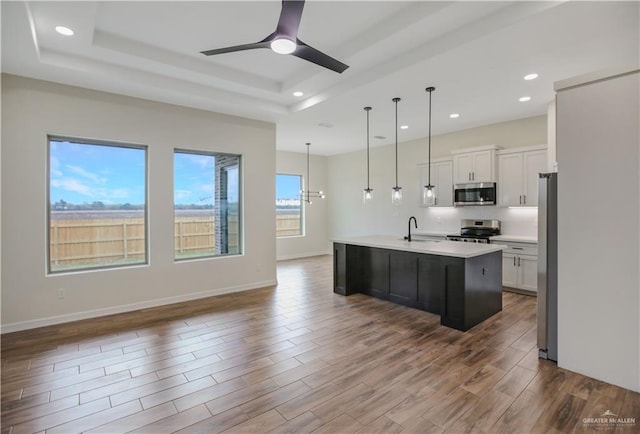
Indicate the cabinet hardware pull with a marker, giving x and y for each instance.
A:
(525, 198)
(518, 248)
(520, 199)
(514, 261)
(518, 262)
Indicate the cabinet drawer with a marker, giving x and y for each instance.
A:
(520, 248)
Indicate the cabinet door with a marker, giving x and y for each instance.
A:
(462, 168)
(430, 283)
(441, 179)
(423, 179)
(528, 272)
(510, 179)
(375, 265)
(403, 278)
(443, 183)
(535, 162)
(509, 270)
(452, 302)
(483, 166)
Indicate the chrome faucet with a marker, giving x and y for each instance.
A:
(408, 237)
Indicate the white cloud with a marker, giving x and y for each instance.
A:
(54, 166)
(202, 161)
(86, 174)
(179, 195)
(114, 193)
(71, 184)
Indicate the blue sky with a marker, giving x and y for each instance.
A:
(82, 173)
(194, 179)
(287, 186)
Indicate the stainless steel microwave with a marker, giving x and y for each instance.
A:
(476, 194)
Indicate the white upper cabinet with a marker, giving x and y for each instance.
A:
(518, 175)
(441, 179)
(474, 165)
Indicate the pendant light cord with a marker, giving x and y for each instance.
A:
(307, 192)
(430, 90)
(368, 109)
(430, 136)
(396, 101)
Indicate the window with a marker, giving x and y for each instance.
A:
(97, 205)
(289, 220)
(206, 199)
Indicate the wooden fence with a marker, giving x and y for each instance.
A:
(109, 241)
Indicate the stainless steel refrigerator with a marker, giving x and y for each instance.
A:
(548, 266)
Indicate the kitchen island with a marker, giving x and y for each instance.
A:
(461, 282)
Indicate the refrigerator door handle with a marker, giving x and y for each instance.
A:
(548, 266)
(542, 263)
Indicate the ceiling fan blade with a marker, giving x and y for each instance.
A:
(290, 17)
(262, 44)
(309, 53)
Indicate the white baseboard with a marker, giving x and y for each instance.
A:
(76, 316)
(302, 255)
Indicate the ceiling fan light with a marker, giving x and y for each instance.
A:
(283, 46)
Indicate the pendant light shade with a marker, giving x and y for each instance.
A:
(307, 195)
(367, 194)
(396, 192)
(428, 192)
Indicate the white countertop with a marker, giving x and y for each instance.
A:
(515, 238)
(430, 233)
(443, 248)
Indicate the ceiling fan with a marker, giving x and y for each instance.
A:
(285, 40)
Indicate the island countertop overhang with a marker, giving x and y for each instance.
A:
(454, 249)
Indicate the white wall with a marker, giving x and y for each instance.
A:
(32, 109)
(598, 153)
(348, 216)
(315, 240)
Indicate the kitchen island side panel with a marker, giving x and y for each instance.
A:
(483, 288)
(347, 277)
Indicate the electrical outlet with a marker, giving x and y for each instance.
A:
(61, 293)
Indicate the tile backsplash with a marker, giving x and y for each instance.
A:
(514, 221)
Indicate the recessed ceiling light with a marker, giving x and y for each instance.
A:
(404, 127)
(454, 115)
(298, 93)
(524, 98)
(66, 31)
(531, 76)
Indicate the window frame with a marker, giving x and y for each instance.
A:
(48, 204)
(209, 153)
(303, 219)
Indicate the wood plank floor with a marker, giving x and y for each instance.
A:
(296, 358)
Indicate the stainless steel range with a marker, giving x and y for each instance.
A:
(476, 231)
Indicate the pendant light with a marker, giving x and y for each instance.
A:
(396, 192)
(367, 195)
(428, 193)
(307, 195)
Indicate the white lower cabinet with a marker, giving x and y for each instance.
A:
(520, 267)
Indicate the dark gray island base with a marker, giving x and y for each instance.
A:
(464, 291)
